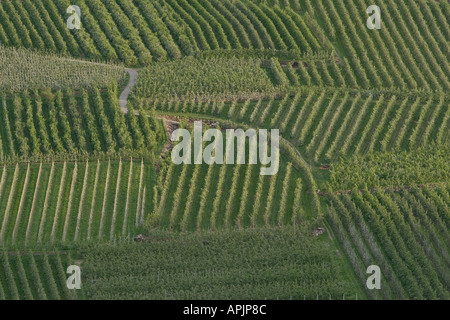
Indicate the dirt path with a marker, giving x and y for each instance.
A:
(123, 99)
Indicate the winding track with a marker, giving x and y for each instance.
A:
(123, 98)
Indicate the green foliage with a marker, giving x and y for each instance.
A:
(211, 78)
(424, 165)
(47, 123)
(21, 69)
(403, 232)
(58, 204)
(284, 263)
(37, 275)
(77, 168)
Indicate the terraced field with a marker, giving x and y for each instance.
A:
(72, 202)
(42, 123)
(298, 266)
(35, 276)
(139, 32)
(328, 123)
(186, 204)
(405, 232)
(364, 124)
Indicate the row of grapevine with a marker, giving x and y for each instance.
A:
(149, 35)
(379, 59)
(44, 123)
(327, 123)
(136, 32)
(248, 29)
(228, 207)
(103, 18)
(72, 201)
(35, 276)
(413, 258)
(125, 26)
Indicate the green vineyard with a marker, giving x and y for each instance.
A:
(73, 202)
(139, 32)
(93, 94)
(326, 123)
(291, 265)
(425, 165)
(21, 70)
(190, 79)
(35, 276)
(230, 209)
(404, 231)
(39, 123)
